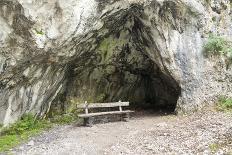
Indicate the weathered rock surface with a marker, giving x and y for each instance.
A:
(147, 51)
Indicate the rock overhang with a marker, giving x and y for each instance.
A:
(124, 63)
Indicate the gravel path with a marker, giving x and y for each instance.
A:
(201, 133)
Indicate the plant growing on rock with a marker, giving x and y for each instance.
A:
(219, 46)
(40, 32)
(225, 104)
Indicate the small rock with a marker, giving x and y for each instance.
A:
(166, 134)
(162, 124)
(31, 143)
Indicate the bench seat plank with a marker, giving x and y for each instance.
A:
(103, 105)
(104, 113)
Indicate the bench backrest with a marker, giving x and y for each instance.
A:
(87, 106)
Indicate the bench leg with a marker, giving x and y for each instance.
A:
(126, 117)
(88, 121)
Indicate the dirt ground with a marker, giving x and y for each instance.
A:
(147, 134)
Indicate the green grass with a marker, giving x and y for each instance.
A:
(8, 141)
(20, 131)
(225, 104)
(29, 126)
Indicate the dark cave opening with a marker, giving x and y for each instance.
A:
(145, 87)
(124, 65)
(152, 90)
(160, 93)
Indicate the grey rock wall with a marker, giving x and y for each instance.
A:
(141, 51)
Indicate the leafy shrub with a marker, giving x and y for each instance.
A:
(215, 44)
(219, 45)
(225, 104)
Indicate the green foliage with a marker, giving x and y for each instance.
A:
(8, 141)
(215, 44)
(21, 130)
(100, 97)
(214, 19)
(225, 104)
(39, 32)
(29, 126)
(208, 1)
(26, 123)
(109, 45)
(219, 45)
(214, 147)
(64, 119)
(229, 52)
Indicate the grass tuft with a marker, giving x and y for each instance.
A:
(225, 104)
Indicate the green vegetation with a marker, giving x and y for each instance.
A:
(21, 130)
(109, 45)
(214, 147)
(39, 32)
(64, 119)
(8, 141)
(29, 126)
(214, 18)
(219, 45)
(225, 104)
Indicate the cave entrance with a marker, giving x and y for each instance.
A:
(125, 65)
(156, 92)
(145, 86)
(132, 76)
(135, 72)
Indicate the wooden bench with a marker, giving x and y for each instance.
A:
(89, 117)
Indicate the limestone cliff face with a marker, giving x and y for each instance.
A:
(144, 51)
